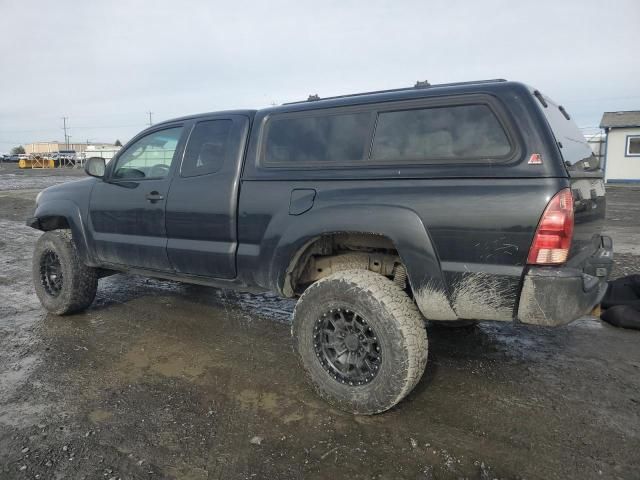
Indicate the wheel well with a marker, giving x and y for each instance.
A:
(334, 252)
(56, 222)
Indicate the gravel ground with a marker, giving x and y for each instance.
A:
(165, 380)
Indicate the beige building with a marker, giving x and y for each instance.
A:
(52, 147)
(622, 148)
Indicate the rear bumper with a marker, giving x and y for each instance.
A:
(553, 296)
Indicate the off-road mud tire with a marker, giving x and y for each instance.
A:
(399, 327)
(79, 282)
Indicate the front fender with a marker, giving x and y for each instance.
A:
(59, 208)
(400, 224)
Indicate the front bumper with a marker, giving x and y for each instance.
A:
(553, 296)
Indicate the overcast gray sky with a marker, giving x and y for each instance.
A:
(104, 64)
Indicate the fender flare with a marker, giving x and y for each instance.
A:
(400, 224)
(72, 213)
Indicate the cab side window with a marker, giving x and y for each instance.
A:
(149, 157)
(207, 149)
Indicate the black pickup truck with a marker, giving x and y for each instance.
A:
(451, 203)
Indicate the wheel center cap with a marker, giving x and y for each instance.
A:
(352, 342)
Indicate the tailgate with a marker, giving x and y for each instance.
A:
(587, 185)
(589, 210)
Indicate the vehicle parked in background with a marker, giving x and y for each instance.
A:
(472, 201)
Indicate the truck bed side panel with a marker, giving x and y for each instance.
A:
(480, 232)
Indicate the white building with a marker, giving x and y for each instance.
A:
(55, 146)
(622, 148)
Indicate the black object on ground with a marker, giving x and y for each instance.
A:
(622, 291)
(624, 316)
(622, 302)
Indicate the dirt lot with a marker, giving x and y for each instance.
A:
(164, 380)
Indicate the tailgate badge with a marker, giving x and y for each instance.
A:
(535, 159)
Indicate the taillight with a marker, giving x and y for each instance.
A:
(554, 233)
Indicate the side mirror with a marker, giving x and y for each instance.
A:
(95, 166)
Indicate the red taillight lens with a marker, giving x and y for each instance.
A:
(553, 237)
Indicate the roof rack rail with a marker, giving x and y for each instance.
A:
(419, 84)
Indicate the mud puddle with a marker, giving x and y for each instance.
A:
(164, 380)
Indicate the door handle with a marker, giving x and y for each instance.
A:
(154, 196)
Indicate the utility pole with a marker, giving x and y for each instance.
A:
(150, 119)
(64, 127)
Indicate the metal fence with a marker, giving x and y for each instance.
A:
(58, 160)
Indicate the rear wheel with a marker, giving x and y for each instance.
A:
(361, 340)
(63, 283)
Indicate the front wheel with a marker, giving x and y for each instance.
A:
(63, 283)
(361, 340)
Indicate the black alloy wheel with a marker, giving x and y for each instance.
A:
(51, 273)
(347, 347)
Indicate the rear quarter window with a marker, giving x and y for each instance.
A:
(208, 148)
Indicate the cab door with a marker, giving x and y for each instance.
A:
(202, 204)
(127, 209)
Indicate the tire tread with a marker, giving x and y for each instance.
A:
(84, 279)
(405, 313)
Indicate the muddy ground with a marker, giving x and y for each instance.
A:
(164, 380)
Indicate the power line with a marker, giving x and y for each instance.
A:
(138, 125)
(64, 127)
